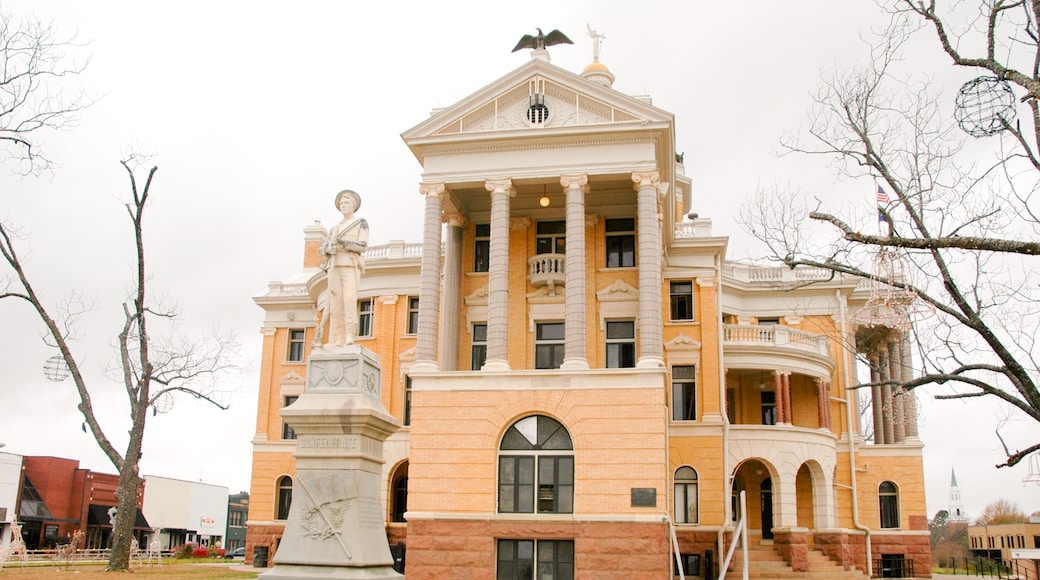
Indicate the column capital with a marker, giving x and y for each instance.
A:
(435, 189)
(454, 220)
(500, 186)
(576, 181)
(646, 179)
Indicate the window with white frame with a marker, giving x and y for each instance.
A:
(684, 393)
(413, 315)
(407, 400)
(681, 299)
(535, 559)
(365, 317)
(482, 248)
(284, 497)
(287, 431)
(548, 345)
(297, 337)
(621, 344)
(550, 238)
(536, 468)
(478, 350)
(621, 243)
(888, 499)
(686, 496)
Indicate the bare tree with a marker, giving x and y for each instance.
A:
(960, 213)
(37, 91)
(151, 368)
(1001, 511)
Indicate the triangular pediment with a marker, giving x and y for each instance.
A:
(570, 101)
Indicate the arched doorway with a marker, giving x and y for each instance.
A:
(755, 478)
(805, 494)
(766, 507)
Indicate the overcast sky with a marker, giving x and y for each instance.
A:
(259, 113)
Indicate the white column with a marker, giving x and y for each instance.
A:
(651, 341)
(886, 396)
(429, 278)
(895, 368)
(906, 373)
(876, 398)
(449, 358)
(575, 348)
(498, 276)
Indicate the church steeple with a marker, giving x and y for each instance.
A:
(956, 508)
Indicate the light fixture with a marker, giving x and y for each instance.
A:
(544, 201)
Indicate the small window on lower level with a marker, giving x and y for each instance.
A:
(535, 559)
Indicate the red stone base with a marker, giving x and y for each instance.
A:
(916, 548)
(449, 549)
(263, 535)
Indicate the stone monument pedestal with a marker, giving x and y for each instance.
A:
(335, 527)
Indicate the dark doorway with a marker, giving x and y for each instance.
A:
(767, 508)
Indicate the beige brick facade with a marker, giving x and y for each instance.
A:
(767, 412)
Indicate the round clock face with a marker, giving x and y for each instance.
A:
(537, 113)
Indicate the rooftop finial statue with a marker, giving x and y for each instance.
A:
(541, 40)
(345, 264)
(597, 38)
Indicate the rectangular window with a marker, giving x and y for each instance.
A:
(555, 485)
(365, 317)
(413, 314)
(478, 352)
(548, 345)
(550, 238)
(621, 243)
(297, 336)
(482, 248)
(516, 484)
(535, 559)
(681, 292)
(685, 503)
(287, 431)
(407, 400)
(768, 408)
(621, 344)
(684, 393)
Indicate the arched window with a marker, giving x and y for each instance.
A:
(399, 493)
(686, 495)
(536, 468)
(888, 499)
(284, 497)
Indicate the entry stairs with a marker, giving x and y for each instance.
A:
(765, 563)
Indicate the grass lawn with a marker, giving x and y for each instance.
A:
(91, 571)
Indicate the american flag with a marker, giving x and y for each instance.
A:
(882, 197)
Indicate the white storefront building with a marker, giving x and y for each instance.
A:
(185, 511)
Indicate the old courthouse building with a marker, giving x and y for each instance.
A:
(584, 380)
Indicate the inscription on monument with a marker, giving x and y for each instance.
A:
(345, 442)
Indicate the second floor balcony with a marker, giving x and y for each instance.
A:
(775, 335)
(547, 270)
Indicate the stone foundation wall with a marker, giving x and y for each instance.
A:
(700, 542)
(793, 546)
(446, 549)
(397, 533)
(835, 545)
(915, 547)
(263, 535)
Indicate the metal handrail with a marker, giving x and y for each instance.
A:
(739, 534)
